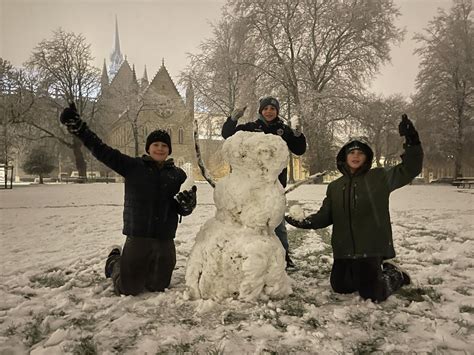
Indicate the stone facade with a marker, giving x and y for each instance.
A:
(129, 110)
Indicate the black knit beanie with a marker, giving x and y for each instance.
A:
(158, 136)
(269, 100)
(360, 145)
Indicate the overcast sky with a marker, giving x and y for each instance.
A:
(154, 29)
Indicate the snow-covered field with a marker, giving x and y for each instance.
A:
(54, 298)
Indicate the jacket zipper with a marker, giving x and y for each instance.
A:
(344, 198)
(350, 216)
(355, 196)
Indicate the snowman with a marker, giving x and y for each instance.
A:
(236, 253)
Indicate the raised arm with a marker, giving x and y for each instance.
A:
(230, 125)
(113, 158)
(412, 159)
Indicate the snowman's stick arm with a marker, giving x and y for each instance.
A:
(201, 165)
(308, 179)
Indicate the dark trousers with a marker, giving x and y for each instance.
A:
(282, 234)
(146, 264)
(365, 275)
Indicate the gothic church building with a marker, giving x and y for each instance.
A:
(130, 109)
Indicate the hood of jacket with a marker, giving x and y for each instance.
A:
(342, 155)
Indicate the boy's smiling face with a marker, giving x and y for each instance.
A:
(159, 151)
(355, 159)
(269, 112)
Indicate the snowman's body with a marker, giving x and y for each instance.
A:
(237, 253)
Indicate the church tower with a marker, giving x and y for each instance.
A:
(104, 79)
(144, 81)
(116, 57)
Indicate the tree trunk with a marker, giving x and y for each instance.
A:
(459, 148)
(291, 173)
(41, 179)
(135, 139)
(79, 158)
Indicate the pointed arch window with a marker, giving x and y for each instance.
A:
(181, 135)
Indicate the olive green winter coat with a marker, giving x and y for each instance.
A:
(358, 205)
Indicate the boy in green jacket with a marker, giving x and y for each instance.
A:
(357, 205)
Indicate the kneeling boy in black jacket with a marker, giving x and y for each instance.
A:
(151, 208)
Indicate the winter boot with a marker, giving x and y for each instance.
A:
(113, 257)
(289, 263)
(387, 265)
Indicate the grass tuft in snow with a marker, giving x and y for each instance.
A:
(52, 279)
(313, 323)
(296, 237)
(435, 280)
(86, 346)
(294, 307)
(466, 309)
(368, 346)
(465, 327)
(32, 331)
(233, 317)
(83, 323)
(215, 350)
(181, 348)
(11, 330)
(419, 294)
(437, 261)
(274, 318)
(463, 290)
(73, 298)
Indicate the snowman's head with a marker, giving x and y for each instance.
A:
(256, 154)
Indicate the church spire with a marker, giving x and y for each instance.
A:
(116, 57)
(104, 79)
(117, 38)
(144, 82)
(134, 73)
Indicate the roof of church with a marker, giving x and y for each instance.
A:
(162, 80)
(124, 76)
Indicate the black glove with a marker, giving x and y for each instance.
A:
(406, 128)
(284, 131)
(71, 119)
(187, 200)
(287, 133)
(304, 224)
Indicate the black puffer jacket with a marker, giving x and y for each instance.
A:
(296, 142)
(150, 210)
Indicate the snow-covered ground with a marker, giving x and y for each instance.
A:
(54, 298)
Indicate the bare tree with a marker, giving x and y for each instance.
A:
(445, 83)
(63, 65)
(306, 45)
(378, 119)
(220, 83)
(16, 100)
(317, 52)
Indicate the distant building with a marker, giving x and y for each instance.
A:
(130, 108)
